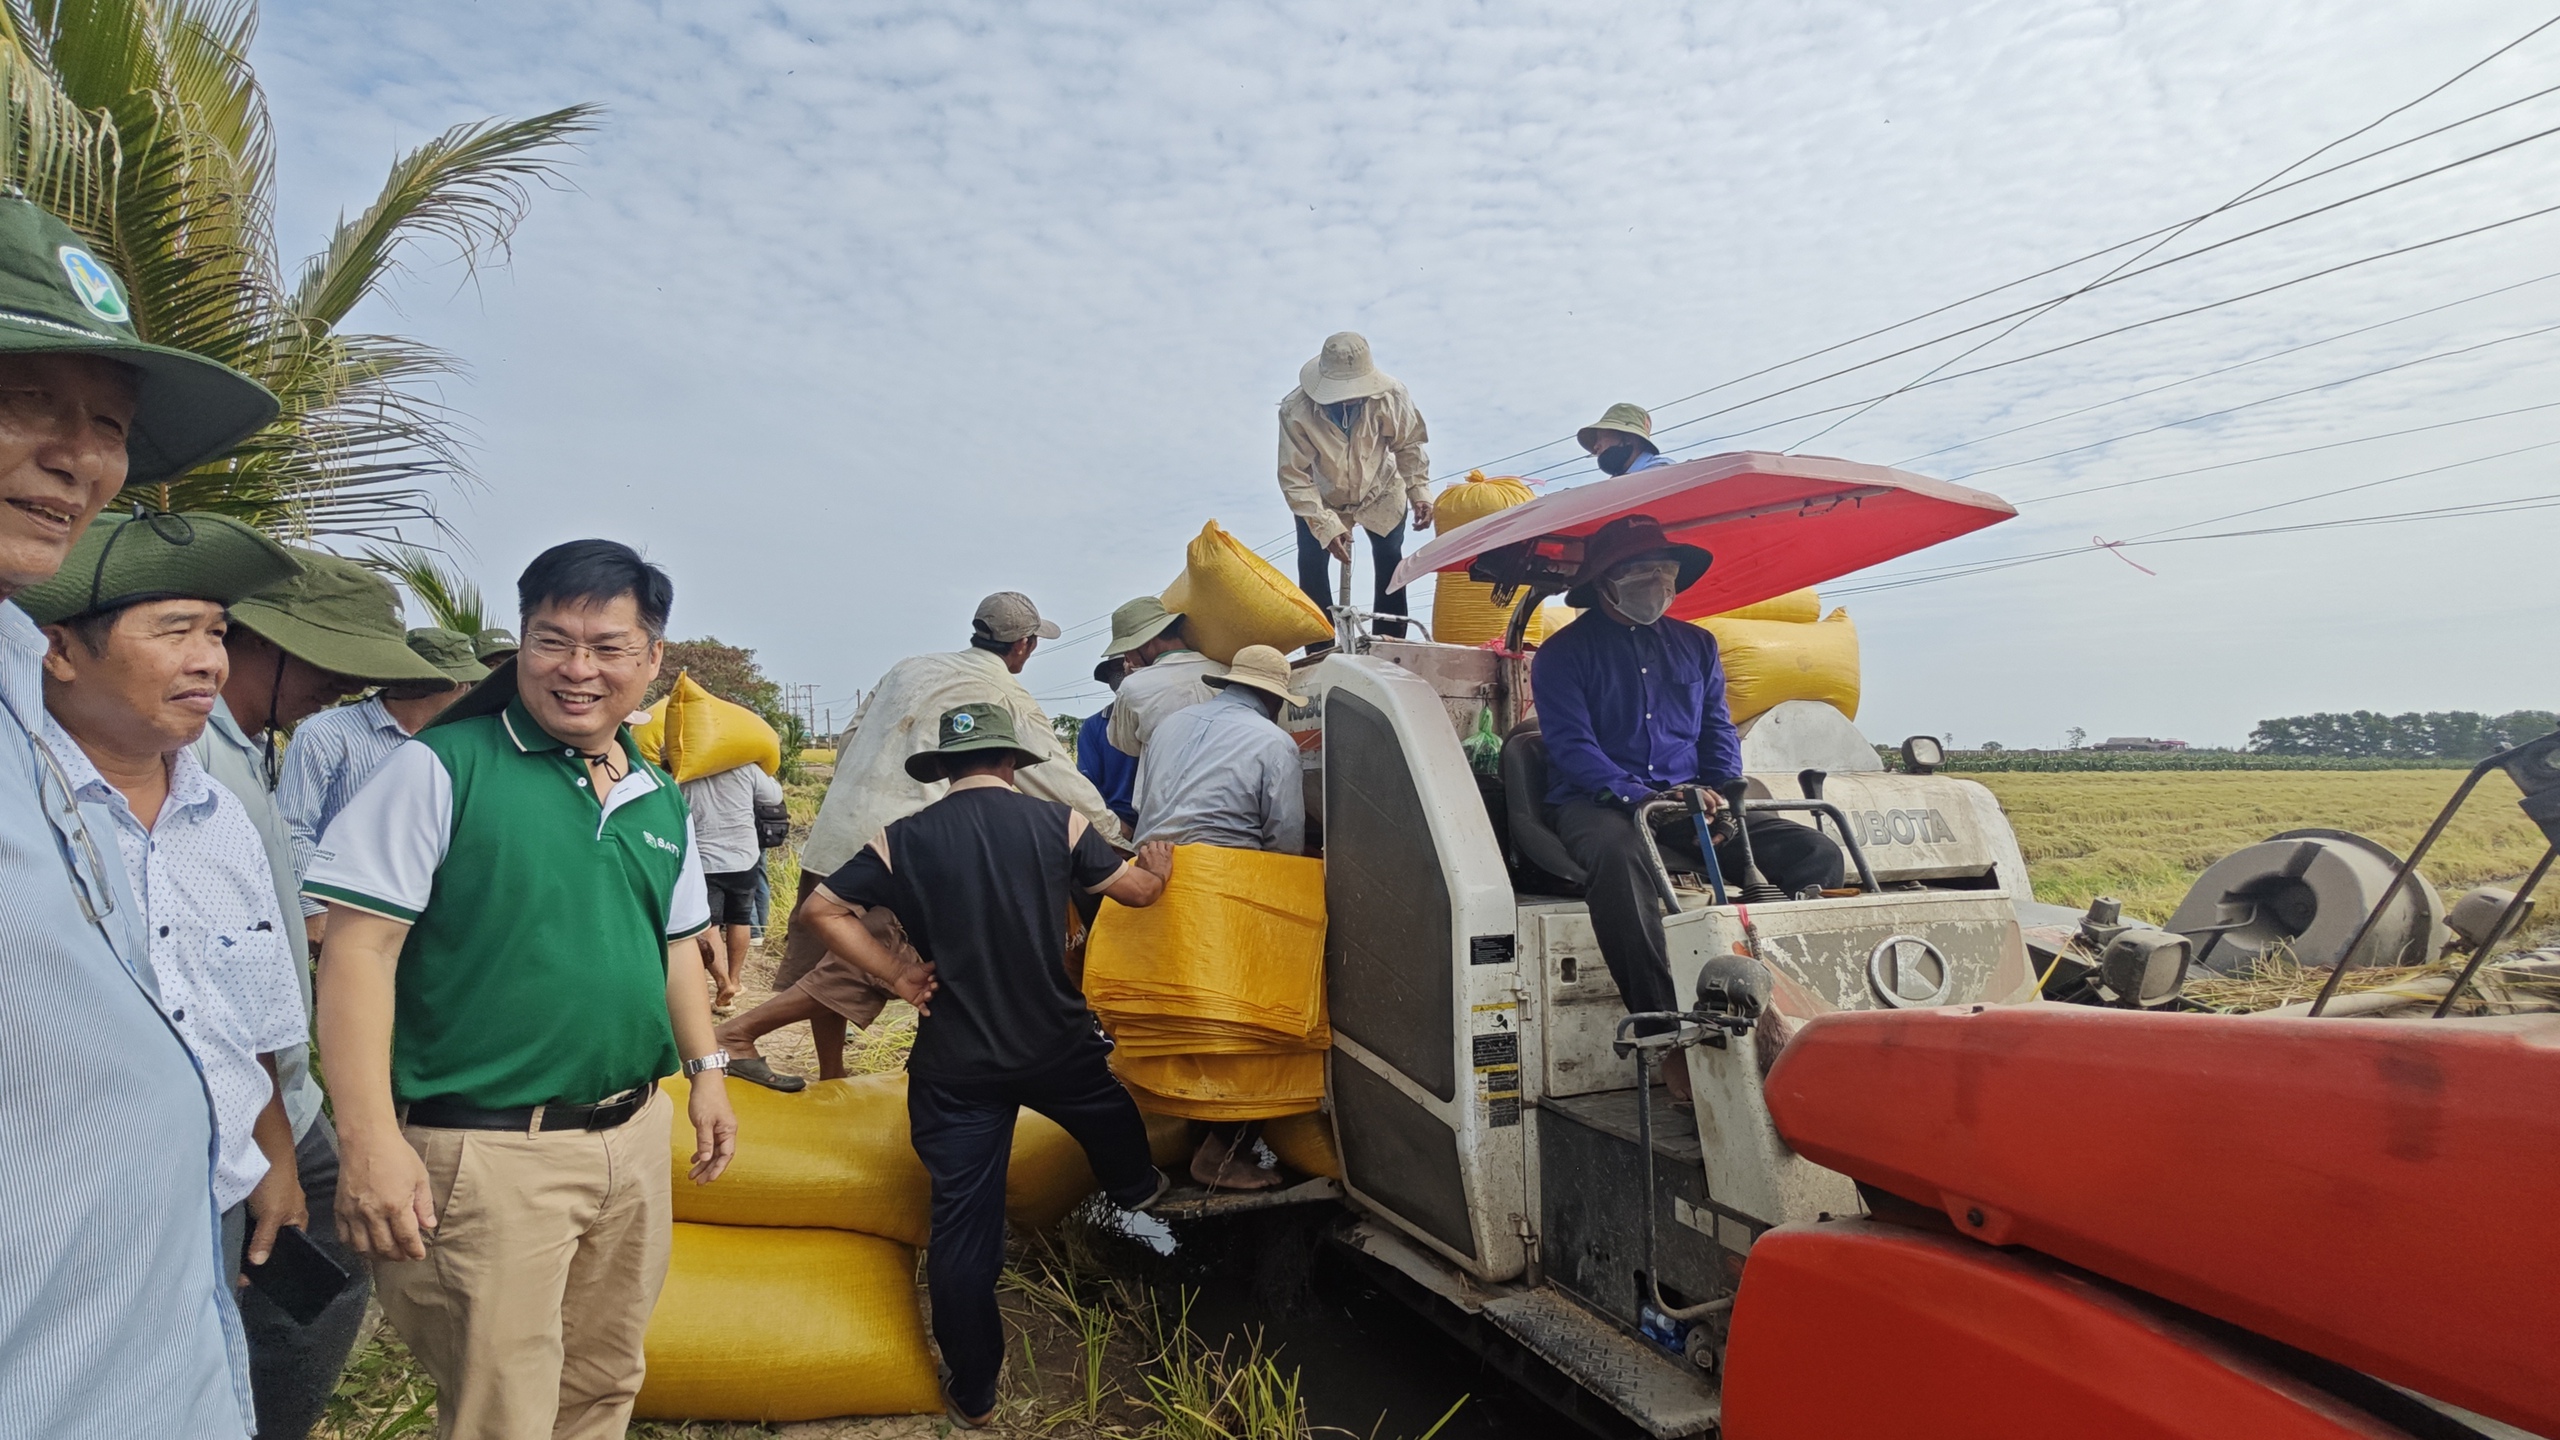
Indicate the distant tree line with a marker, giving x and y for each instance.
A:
(2369, 734)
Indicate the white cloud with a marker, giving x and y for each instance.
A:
(859, 313)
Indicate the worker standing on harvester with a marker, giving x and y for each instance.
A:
(1224, 773)
(1164, 675)
(981, 879)
(1351, 457)
(1631, 704)
(873, 786)
(1621, 440)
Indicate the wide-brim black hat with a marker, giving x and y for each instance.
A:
(1632, 537)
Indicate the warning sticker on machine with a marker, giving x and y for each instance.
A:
(1497, 1064)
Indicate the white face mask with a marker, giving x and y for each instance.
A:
(1642, 589)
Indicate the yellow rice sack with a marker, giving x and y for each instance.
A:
(1800, 607)
(1767, 662)
(1224, 1087)
(1462, 610)
(1234, 598)
(1304, 1143)
(1236, 942)
(837, 1155)
(692, 733)
(1169, 1140)
(773, 1325)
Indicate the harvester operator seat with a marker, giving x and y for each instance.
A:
(1524, 798)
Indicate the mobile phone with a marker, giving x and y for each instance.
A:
(299, 1276)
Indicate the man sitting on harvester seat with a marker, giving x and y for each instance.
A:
(981, 880)
(1632, 707)
(873, 786)
(1224, 773)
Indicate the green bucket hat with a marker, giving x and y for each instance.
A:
(964, 729)
(1138, 622)
(156, 555)
(1625, 419)
(338, 616)
(493, 645)
(449, 651)
(56, 298)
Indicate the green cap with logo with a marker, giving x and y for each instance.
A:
(57, 298)
(493, 645)
(338, 616)
(143, 555)
(450, 651)
(967, 729)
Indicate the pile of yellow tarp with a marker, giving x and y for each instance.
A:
(1214, 995)
(791, 1291)
(1784, 649)
(1462, 610)
(1232, 598)
(692, 733)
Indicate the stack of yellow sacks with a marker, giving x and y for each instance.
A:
(1462, 610)
(791, 1291)
(1786, 649)
(1214, 995)
(692, 733)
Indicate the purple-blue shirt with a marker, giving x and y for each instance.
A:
(1631, 709)
(1112, 770)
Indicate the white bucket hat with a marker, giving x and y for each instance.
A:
(1342, 370)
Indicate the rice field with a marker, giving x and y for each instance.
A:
(2144, 836)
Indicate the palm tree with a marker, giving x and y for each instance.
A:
(141, 124)
(451, 599)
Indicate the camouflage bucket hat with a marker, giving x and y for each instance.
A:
(56, 298)
(966, 729)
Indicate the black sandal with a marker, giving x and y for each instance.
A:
(754, 1071)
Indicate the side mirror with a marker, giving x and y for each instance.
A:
(1922, 754)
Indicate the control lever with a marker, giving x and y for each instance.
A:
(1706, 845)
(1755, 886)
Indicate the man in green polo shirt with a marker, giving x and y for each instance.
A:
(508, 971)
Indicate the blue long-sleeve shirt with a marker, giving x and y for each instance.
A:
(1631, 709)
(1112, 770)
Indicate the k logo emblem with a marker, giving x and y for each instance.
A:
(95, 287)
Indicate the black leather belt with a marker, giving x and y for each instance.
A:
(605, 1114)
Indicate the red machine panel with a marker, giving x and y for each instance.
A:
(2378, 1192)
(1857, 1329)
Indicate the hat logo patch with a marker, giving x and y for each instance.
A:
(964, 723)
(95, 287)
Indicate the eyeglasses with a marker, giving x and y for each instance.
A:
(89, 872)
(556, 648)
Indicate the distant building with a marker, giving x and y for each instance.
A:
(2138, 742)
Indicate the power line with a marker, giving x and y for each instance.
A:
(2165, 231)
(2288, 454)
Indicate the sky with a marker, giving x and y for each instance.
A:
(852, 314)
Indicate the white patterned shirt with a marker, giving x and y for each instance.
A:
(333, 753)
(218, 943)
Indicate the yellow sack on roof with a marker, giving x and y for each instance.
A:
(775, 1325)
(1801, 607)
(1234, 598)
(1768, 662)
(1462, 610)
(838, 1155)
(692, 733)
(1215, 993)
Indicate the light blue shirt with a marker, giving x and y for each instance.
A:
(238, 764)
(114, 1318)
(1221, 773)
(333, 753)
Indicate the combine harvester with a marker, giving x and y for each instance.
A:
(1915, 1199)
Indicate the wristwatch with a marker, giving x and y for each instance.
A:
(716, 1060)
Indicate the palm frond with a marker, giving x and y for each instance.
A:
(450, 599)
(467, 187)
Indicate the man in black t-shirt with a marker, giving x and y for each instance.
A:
(982, 880)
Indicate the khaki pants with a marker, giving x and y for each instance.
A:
(540, 1275)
